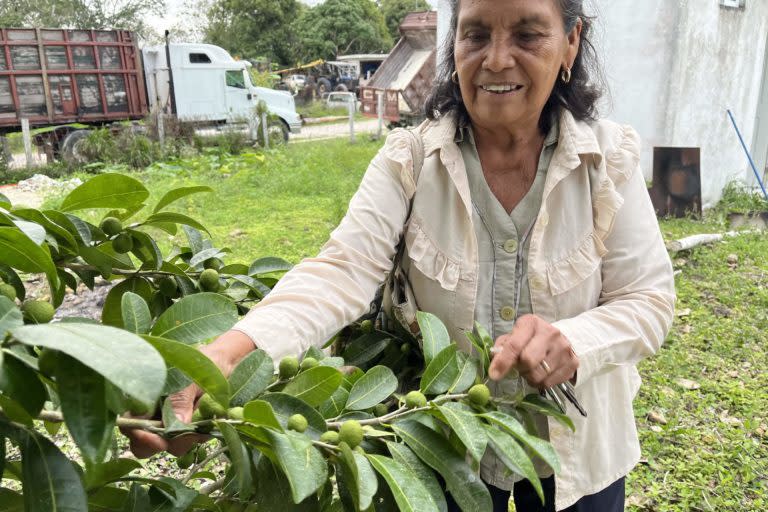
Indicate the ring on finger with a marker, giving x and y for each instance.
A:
(546, 367)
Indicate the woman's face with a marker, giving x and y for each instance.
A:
(508, 55)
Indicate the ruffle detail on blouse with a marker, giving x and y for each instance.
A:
(398, 153)
(427, 257)
(567, 272)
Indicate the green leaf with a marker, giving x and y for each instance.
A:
(112, 311)
(260, 413)
(178, 193)
(268, 265)
(60, 232)
(467, 427)
(335, 404)
(145, 248)
(366, 348)
(250, 377)
(376, 385)
(137, 500)
(49, 479)
(98, 475)
(5, 202)
(195, 365)
(173, 218)
(11, 277)
(82, 392)
(315, 385)
(104, 258)
(79, 227)
(121, 357)
(358, 477)
(409, 492)
(441, 372)
(11, 501)
(21, 253)
(273, 493)
(196, 318)
(538, 446)
(10, 316)
(32, 230)
(467, 373)
(409, 460)
(302, 463)
(513, 456)
(109, 190)
(434, 335)
(464, 485)
(136, 316)
(536, 404)
(205, 254)
(240, 458)
(21, 384)
(286, 406)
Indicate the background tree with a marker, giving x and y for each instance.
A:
(254, 28)
(338, 27)
(395, 10)
(85, 14)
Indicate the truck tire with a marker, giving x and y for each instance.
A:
(323, 86)
(278, 132)
(70, 152)
(341, 88)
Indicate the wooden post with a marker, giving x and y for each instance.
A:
(264, 130)
(160, 128)
(27, 141)
(380, 112)
(351, 106)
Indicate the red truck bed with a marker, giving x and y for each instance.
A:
(57, 76)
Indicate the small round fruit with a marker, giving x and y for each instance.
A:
(351, 432)
(7, 290)
(209, 280)
(111, 226)
(186, 460)
(380, 410)
(202, 453)
(235, 413)
(298, 423)
(308, 362)
(122, 243)
(137, 408)
(213, 263)
(168, 287)
(210, 408)
(37, 312)
(479, 395)
(366, 326)
(289, 367)
(330, 437)
(46, 362)
(415, 399)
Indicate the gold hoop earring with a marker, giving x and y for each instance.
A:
(455, 77)
(565, 75)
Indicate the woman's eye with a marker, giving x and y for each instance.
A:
(528, 36)
(474, 36)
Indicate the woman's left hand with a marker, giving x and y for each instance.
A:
(537, 350)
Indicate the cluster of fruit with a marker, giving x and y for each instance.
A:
(34, 311)
(122, 241)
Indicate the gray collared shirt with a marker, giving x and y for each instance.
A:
(503, 293)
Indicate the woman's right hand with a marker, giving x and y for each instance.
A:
(225, 351)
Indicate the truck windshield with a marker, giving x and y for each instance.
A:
(236, 78)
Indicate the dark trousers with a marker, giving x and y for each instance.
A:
(610, 499)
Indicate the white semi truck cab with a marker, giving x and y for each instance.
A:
(207, 85)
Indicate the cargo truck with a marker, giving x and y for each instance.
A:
(65, 81)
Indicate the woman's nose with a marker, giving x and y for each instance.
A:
(499, 55)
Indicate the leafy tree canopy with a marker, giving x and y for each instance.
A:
(394, 12)
(338, 27)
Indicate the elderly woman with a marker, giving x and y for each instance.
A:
(527, 215)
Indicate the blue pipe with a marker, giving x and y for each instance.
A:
(751, 162)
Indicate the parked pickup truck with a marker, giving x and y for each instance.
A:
(63, 79)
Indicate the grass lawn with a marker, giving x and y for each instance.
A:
(706, 389)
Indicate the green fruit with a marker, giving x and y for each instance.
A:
(479, 394)
(351, 432)
(209, 280)
(213, 263)
(168, 287)
(235, 413)
(298, 423)
(366, 326)
(46, 362)
(37, 312)
(137, 408)
(187, 459)
(405, 348)
(202, 453)
(210, 408)
(7, 290)
(330, 437)
(380, 410)
(111, 226)
(289, 367)
(308, 362)
(415, 399)
(122, 243)
(196, 416)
